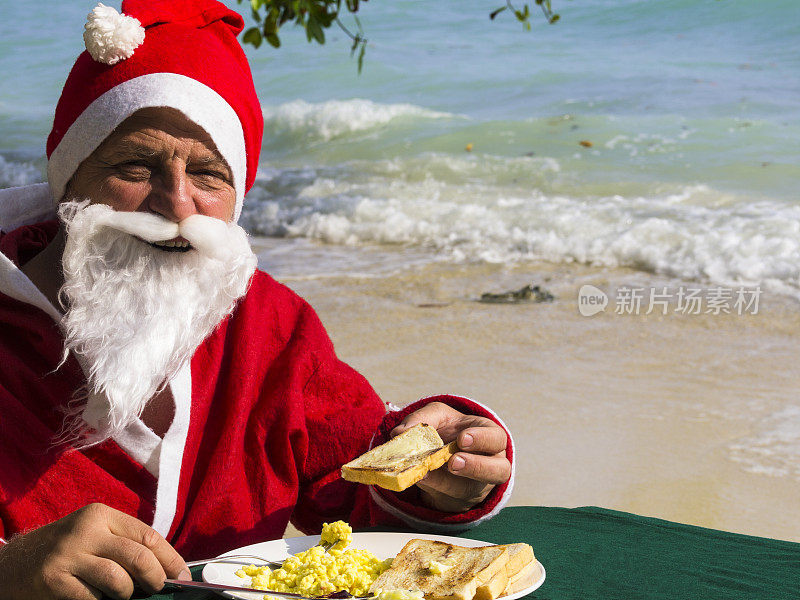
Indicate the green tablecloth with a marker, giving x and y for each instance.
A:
(594, 553)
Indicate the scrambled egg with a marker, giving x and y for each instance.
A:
(339, 535)
(399, 595)
(315, 572)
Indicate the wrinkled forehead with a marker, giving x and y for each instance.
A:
(151, 130)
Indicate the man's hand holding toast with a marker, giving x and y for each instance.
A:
(470, 473)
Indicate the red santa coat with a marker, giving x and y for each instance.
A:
(265, 416)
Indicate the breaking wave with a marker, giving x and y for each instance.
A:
(15, 173)
(511, 210)
(325, 121)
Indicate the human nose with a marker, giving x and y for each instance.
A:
(171, 194)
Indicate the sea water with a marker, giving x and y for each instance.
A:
(653, 134)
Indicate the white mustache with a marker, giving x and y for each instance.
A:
(147, 226)
(209, 235)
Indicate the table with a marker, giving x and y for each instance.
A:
(595, 553)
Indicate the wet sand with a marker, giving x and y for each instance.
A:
(691, 418)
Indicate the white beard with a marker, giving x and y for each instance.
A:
(136, 313)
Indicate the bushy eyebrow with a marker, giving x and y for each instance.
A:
(213, 158)
(129, 148)
(135, 150)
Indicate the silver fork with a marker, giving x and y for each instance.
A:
(217, 587)
(233, 558)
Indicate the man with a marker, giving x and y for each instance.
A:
(183, 403)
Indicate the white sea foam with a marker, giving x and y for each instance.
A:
(775, 450)
(327, 120)
(13, 173)
(495, 210)
(648, 143)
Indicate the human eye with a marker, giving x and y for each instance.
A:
(133, 169)
(209, 173)
(211, 176)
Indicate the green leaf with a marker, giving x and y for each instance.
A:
(325, 20)
(497, 12)
(256, 5)
(273, 40)
(252, 36)
(271, 24)
(314, 31)
(554, 19)
(285, 15)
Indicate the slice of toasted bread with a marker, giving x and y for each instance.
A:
(402, 461)
(467, 568)
(519, 557)
(524, 578)
(493, 587)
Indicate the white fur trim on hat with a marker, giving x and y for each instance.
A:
(111, 37)
(197, 101)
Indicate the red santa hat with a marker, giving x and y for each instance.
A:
(181, 54)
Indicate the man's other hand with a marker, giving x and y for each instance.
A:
(93, 551)
(472, 472)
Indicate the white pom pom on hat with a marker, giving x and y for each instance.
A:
(110, 36)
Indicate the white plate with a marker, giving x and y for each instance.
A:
(382, 545)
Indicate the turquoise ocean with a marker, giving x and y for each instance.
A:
(690, 110)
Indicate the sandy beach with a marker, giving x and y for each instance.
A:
(682, 417)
